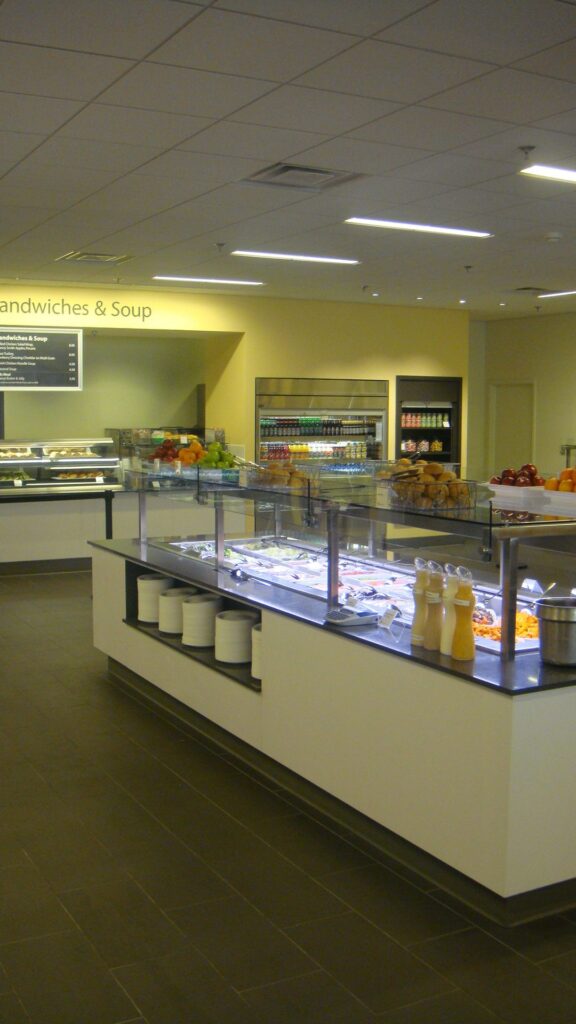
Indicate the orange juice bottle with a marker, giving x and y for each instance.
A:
(420, 607)
(463, 644)
(433, 597)
(449, 617)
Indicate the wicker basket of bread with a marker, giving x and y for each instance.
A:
(424, 486)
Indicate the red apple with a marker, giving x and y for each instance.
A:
(495, 479)
(538, 481)
(529, 469)
(523, 480)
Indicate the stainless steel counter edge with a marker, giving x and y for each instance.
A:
(525, 674)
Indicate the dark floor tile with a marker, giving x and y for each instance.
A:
(171, 874)
(184, 989)
(241, 943)
(498, 978)
(60, 980)
(123, 924)
(276, 887)
(67, 855)
(453, 1008)
(309, 845)
(563, 968)
(28, 907)
(537, 940)
(11, 1010)
(376, 970)
(406, 914)
(314, 998)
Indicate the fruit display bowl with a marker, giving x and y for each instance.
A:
(505, 496)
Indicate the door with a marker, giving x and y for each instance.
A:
(510, 425)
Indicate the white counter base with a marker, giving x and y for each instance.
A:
(481, 781)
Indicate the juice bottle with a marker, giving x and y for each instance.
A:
(420, 608)
(463, 644)
(449, 620)
(433, 597)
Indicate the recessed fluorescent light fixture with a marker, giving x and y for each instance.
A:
(553, 173)
(207, 280)
(290, 256)
(554, 295)
(430, 229)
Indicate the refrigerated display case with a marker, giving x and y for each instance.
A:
(316, 418)
(428, 417)
(62, 465)
(140, 442)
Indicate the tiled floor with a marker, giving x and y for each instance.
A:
(143, 878)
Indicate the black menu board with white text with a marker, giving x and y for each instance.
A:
(40, 359)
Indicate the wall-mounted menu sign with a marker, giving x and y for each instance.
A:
(42, 359)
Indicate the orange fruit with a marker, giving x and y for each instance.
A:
(551, 484)
(565, 485)
(565, 474)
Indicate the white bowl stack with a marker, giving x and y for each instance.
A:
(234, 636)
(199, 619)
(150, 586)
(256, 670)
(170, 608)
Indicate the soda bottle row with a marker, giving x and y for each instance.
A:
(316, 426)
(433, 420)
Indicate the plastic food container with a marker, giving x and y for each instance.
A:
(557, 617)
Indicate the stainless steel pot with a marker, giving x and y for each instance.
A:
(557, 617)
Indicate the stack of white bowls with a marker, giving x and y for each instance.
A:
(199, 619)
(170, 608)
(150, 586)
(234, 636)
(256, 670)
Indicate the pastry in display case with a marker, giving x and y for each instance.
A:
(52, 465)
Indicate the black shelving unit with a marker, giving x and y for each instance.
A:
(428, 417)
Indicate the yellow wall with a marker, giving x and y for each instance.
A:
(246, 337)
(541, 350)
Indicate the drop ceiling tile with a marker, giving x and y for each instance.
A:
(34, 172)
(361, 157)
(140, 195)
(506, 145)
(23, 193)
(565, 122)
(34, 113)
(363, 17)
(182, 91)
(208, 168)
(495, 31)
(459, 200)
(128, 29)
(557, 62)
(372, 195)
(398, 73)
(322, 111)
(18, 219)
(132, 126)
(230, 138)
(512, 95)
(430, 129)
(527, 188)
(255, 47)
(44, 72)
(15, 145)
(451, 169)
(90, 153)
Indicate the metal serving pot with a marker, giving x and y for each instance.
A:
(557, 617)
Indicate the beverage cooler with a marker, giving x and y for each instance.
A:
(315, 418)
(428, 418)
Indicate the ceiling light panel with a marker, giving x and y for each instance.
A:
(293, 257)
(430, 229)
(552, 173)
(207, 280)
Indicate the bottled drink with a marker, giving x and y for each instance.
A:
(449, 619)
(433, 597)
(420, 607)
(463, 643)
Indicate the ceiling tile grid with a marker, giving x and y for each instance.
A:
(139, 126)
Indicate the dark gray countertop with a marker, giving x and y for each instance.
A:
(525, 674)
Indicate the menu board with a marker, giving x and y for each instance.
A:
(40, 359)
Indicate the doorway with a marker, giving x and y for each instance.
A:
(510, 425)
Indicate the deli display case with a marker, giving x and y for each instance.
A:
(58, 466)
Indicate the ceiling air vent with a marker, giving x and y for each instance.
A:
(299, 176)
(77, 256)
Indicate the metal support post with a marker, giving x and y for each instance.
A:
(332, 527)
